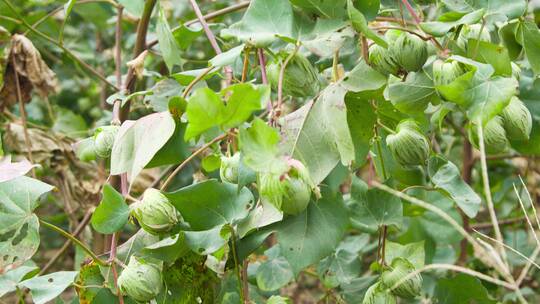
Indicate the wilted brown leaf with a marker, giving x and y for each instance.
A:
(32, 71)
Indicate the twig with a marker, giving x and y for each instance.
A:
(85, 220)
(187, 160)
(430, 207)
(526, 216)
(488, 225)
(411, 11)
(527, 267)
(210, 36)
(487, 191)
(468, 162)
(116, 118)
(74, 240)
(262, 64)
(209, 16)
(27, 141)
(194, 81)
(509, 248)
(63, 48)
(457, 269)
(531, 202)
(335, 61)
(246, 65)
(365, 49)
(236, 266)
(245, 283)
(401, 29)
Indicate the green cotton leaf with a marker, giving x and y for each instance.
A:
(206, 242)
(440, 28)
(11, 278)
(134, 7)
(413, 95)
(168, 249)
(204, 111)
(274, 274)
(493, 54)
(210, 203)
(361, 118)
(446, 177)
(161, 93)
(112, 213)
(262, 22)
(90, 277)
(306, 238)
(45, 288)
(434, 226)
(528, 35)
(359, 23)
(174, 151)
(137, 142)
(259, 146)
(320, 128)
(167, 43)
(186, 35)
(227, 58)
(507, 34)
(496, 10)
(363, 78)
(462, 288)
(413, 252)
(344, 264)
(244, 99)
(331, 9)
(480, 94)
(19, 225)
(373, 208)
(68, 7)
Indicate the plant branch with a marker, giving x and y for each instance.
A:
(456, 269)
(411, 11)
(191, 157)
(210, 36)
(85, 220)
(74, 240)
(218, 13)
(194, 81)
(237, 267)
(487, 192)
(262, 64)
(280, 81)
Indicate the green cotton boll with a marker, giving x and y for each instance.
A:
(517, 120)
(409, 52)
(408, 145)
(104, 138)
(472, 32)
(300, 78)
(377, 295)
(444, 72)
(289, 192)
(154, 212)
(495, 140)
(380, 59)
(297, 196)
(270, 188)
(399, 269)
(228, 170)
(140, 281)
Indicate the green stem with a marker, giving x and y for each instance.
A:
(74, 240)
(335, 62)
(386, 128)
(236, 267)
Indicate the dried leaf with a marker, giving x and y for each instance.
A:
(32, 71)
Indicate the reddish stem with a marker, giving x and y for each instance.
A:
(411, 11)
(210, 37)
(262, 63)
